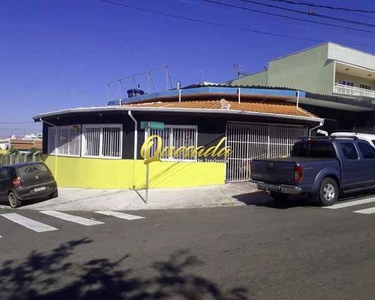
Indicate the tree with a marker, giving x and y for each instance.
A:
(13, 151)
(34, 150)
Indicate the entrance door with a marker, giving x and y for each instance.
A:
(250, 141)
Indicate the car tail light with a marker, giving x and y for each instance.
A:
(16, 182)
(298, 174)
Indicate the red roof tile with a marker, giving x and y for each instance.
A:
(268, 107)
(25, 144)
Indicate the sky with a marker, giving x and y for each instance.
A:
(61, 54)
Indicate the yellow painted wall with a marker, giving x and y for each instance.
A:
(125, 173)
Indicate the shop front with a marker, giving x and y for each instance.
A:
(201, 142)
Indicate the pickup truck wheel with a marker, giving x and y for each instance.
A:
(328, 192)
(14, 202)
(279, 196)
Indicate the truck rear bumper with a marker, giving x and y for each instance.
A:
(280, 188)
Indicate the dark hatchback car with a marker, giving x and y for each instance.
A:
(27, 181)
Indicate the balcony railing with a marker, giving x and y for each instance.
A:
(353, 91)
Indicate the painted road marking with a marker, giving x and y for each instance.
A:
(120, 215)
(367, 211)
(351, 203)
(70, 218)
(28, 223)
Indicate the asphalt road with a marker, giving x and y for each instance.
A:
(258, 251)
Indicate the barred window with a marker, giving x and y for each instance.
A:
(64, 139)
(51, 140)
(176, 136)
(102, 140)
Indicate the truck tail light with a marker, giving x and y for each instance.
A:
(298, 174)
(16, 182)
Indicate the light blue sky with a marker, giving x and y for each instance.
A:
(60, 54)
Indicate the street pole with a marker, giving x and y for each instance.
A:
(147, 178)
(147, 168)
(147, 125)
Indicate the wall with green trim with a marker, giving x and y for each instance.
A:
(260, 78)
(308, 70)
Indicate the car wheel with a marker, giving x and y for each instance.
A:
(14, 202)
(328, 192)
(54, 194)
(279, 196)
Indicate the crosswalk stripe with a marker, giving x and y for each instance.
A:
(71, 218)
(28, 223)
(351, 203)
(367, 211)
(119, 215)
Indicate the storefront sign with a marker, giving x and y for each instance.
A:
(152, 153)
(152, 125)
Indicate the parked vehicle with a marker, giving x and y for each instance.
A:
(322, 167)
(370, 138)
(27, 181)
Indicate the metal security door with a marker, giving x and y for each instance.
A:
(256, 141)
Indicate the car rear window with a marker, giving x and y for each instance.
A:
(4, 173)
(31, 169)
(312, 148)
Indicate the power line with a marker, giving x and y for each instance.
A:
(311, 13)
(212, 23)
(326, 6)
(359, 15)
(286, 17)
(223, 25)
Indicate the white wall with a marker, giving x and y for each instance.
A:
(351, 56)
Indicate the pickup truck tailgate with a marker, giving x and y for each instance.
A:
(280, 172)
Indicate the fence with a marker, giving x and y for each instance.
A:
(250, 141)
(10, 159)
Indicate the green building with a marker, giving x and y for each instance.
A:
(329, 69)
(345, 78)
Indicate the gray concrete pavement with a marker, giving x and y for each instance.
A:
(258, 251)
(97, 199)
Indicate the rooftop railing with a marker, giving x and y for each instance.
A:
(353, 91)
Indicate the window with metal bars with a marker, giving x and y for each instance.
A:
(174, 137)
(102, 140)
(64, 140)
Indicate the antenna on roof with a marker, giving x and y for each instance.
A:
(240, 70)
(129, 86)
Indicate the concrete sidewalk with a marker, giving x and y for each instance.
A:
(95, 199)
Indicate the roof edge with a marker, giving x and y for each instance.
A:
(40, 117)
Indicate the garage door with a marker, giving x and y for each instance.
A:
(255, 140)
